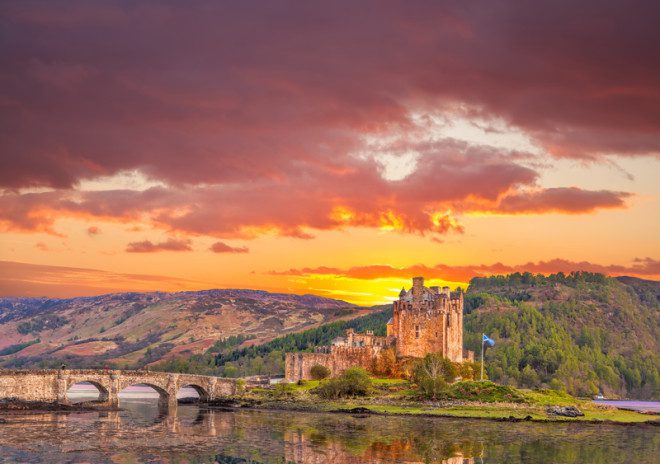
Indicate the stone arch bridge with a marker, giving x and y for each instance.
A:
(51, 385)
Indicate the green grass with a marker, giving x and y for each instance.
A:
(306, 385)
(498, 411)
(594, 412)
(546, 397)
(488, 392)
(390, 382)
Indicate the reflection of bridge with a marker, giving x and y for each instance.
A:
(51, 385)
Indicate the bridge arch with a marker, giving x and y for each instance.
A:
(164, 396)
(201, 391)
(103, 393)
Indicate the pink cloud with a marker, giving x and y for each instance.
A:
(564, 200)
(171, 244)
(221, 247)
(41, 246)
(647, 267)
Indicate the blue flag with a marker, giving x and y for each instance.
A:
(488, 340)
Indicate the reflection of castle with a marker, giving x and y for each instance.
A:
(301, 448)
(425, 320)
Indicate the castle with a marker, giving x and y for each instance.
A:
(425, 320)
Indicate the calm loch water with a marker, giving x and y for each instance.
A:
(141, 434)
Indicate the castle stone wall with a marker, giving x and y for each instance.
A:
(339, 358)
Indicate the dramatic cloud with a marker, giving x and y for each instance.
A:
(220, 247)
(646, 267)
(225, 91)
(277, 119)
(456, 177)
(170, 244)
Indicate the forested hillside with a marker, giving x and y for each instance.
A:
(584, 332)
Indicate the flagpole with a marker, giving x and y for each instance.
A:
(483, 340)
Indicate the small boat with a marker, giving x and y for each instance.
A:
(599, 397)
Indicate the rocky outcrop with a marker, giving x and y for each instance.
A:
(566, 411)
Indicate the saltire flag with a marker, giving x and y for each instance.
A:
(488, 340)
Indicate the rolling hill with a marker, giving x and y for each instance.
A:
(135, 329)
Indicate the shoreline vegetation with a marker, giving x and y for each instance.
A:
(399, 397)
(468, 399)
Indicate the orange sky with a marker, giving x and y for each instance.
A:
(304, 151)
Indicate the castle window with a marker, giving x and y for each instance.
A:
(448, 320)
(416, 331)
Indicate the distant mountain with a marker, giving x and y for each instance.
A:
(134, 329)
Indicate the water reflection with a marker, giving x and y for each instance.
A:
(141, 433)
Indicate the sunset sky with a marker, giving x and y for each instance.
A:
(334, 148)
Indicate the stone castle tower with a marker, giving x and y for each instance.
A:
(428, 320)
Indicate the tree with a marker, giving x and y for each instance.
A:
(529, 377)
(386, 364)
(432, 373)
(230, 370)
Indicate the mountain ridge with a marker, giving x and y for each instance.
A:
(131, 329)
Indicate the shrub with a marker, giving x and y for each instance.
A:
(468, 370)
(353, 382)
(284, 390)
(557, 385)
(319, 372)
(432, 374)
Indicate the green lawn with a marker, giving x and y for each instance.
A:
(548, 397)
(497, 411)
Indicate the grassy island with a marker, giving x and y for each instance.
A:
(469, 399)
